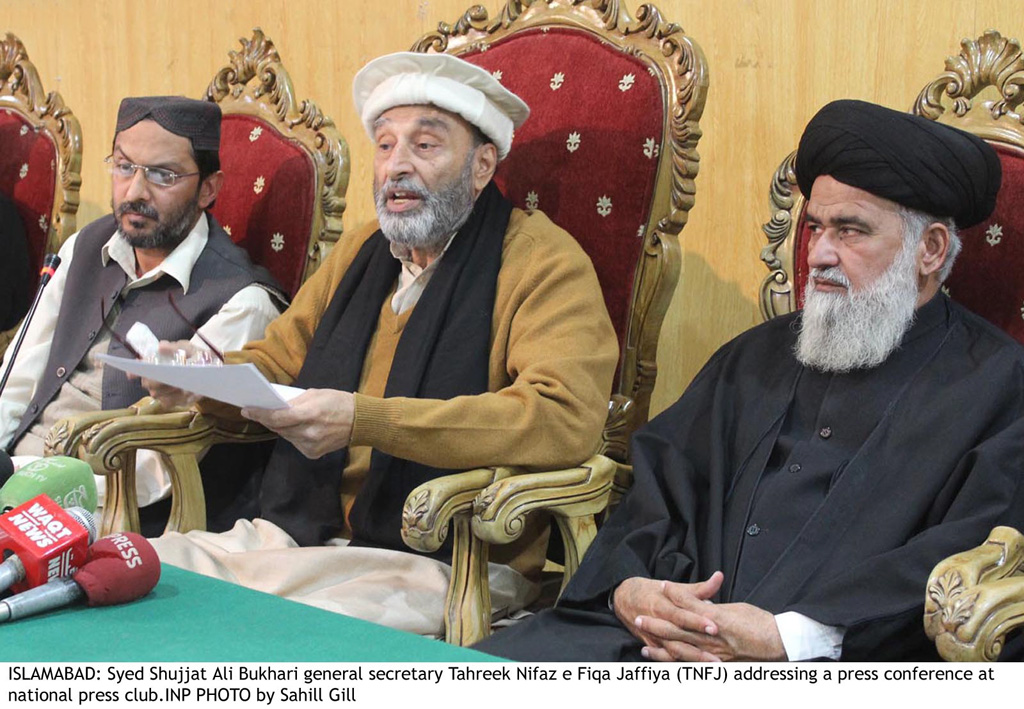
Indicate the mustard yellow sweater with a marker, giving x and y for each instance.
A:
(553, 355)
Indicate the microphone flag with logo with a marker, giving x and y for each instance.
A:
(67, 481)
(121, 568)
(41, 541)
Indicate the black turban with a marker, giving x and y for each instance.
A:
(199, 121)
(907, 159)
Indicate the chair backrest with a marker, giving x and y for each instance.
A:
(286, 166)
(982, 87)
(40, 154)
(608, 153)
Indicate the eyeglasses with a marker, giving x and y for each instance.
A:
(134, 352)
(124, 170)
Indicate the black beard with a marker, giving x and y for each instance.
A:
(168, 232)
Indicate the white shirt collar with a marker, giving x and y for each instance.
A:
(178, 264)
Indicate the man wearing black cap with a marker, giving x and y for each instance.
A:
(121, 268)
(793, 502)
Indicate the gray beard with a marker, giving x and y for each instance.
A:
(440, 215)
(167, 233)
(840, 332)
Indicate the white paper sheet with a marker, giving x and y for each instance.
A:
(236, 384)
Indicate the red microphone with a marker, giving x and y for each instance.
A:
(40, 541)
(121, 568)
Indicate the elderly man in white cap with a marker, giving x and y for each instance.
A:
(461, 332)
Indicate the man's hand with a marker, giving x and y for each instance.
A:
(745, 633)
(648, 607)
(318, 422)
(171, 397)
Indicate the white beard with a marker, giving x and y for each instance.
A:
(431, 225)
(843, 331)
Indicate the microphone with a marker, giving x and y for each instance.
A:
(40, 542)
(67, 481)
(50, 264)
(122, 567)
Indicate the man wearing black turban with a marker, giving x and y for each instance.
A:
(793, 502)
(121, 269)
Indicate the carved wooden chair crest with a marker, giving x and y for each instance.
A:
(286, 165)
(609, 153)
(41, 157)
(286, 172)
(974, 599)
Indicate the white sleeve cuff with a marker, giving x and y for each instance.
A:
(807, 639)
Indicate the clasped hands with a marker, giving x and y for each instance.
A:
(677, 621)
(317, 422)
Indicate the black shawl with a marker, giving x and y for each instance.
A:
(443, 352)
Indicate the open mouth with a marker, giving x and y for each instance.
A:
(403, 200)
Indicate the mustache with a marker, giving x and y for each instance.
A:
(834, 274)
(404, 184)
(137, 207)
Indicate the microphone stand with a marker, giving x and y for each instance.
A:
(50, 264)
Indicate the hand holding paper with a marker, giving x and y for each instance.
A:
(318, 422)
(237, 384)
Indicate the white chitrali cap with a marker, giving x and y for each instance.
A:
(444, 81)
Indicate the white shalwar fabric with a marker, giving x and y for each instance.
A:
(401, 590)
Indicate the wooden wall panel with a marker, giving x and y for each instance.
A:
(773, 63)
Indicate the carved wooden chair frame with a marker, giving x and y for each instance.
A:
(254, 82)
(975, 598)
(489, 506)
(21, 91)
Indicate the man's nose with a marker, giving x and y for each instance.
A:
(398, 164)
(138, 186)
(822, 252)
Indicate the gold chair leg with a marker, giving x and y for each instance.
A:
(121, 505)
(468, 605)
(188, 503)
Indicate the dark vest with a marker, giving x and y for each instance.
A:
(221, 270)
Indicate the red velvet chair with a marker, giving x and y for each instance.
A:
(40, 156)
(286, 166)
(973, 600)
(286, 171)
(609, 153)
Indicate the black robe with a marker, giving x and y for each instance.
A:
(939, 465)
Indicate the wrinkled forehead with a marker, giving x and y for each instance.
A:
(423, 116)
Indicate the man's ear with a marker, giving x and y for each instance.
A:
(933, 249)
(485, 162)
(210, 188)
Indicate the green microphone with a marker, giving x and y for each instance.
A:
(67, 481)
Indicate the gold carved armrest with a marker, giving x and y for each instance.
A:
(108, 442)
(574, 496)
(66, 434)
(429, 510)
(489, 505)
(976, 597)
(620, 484)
